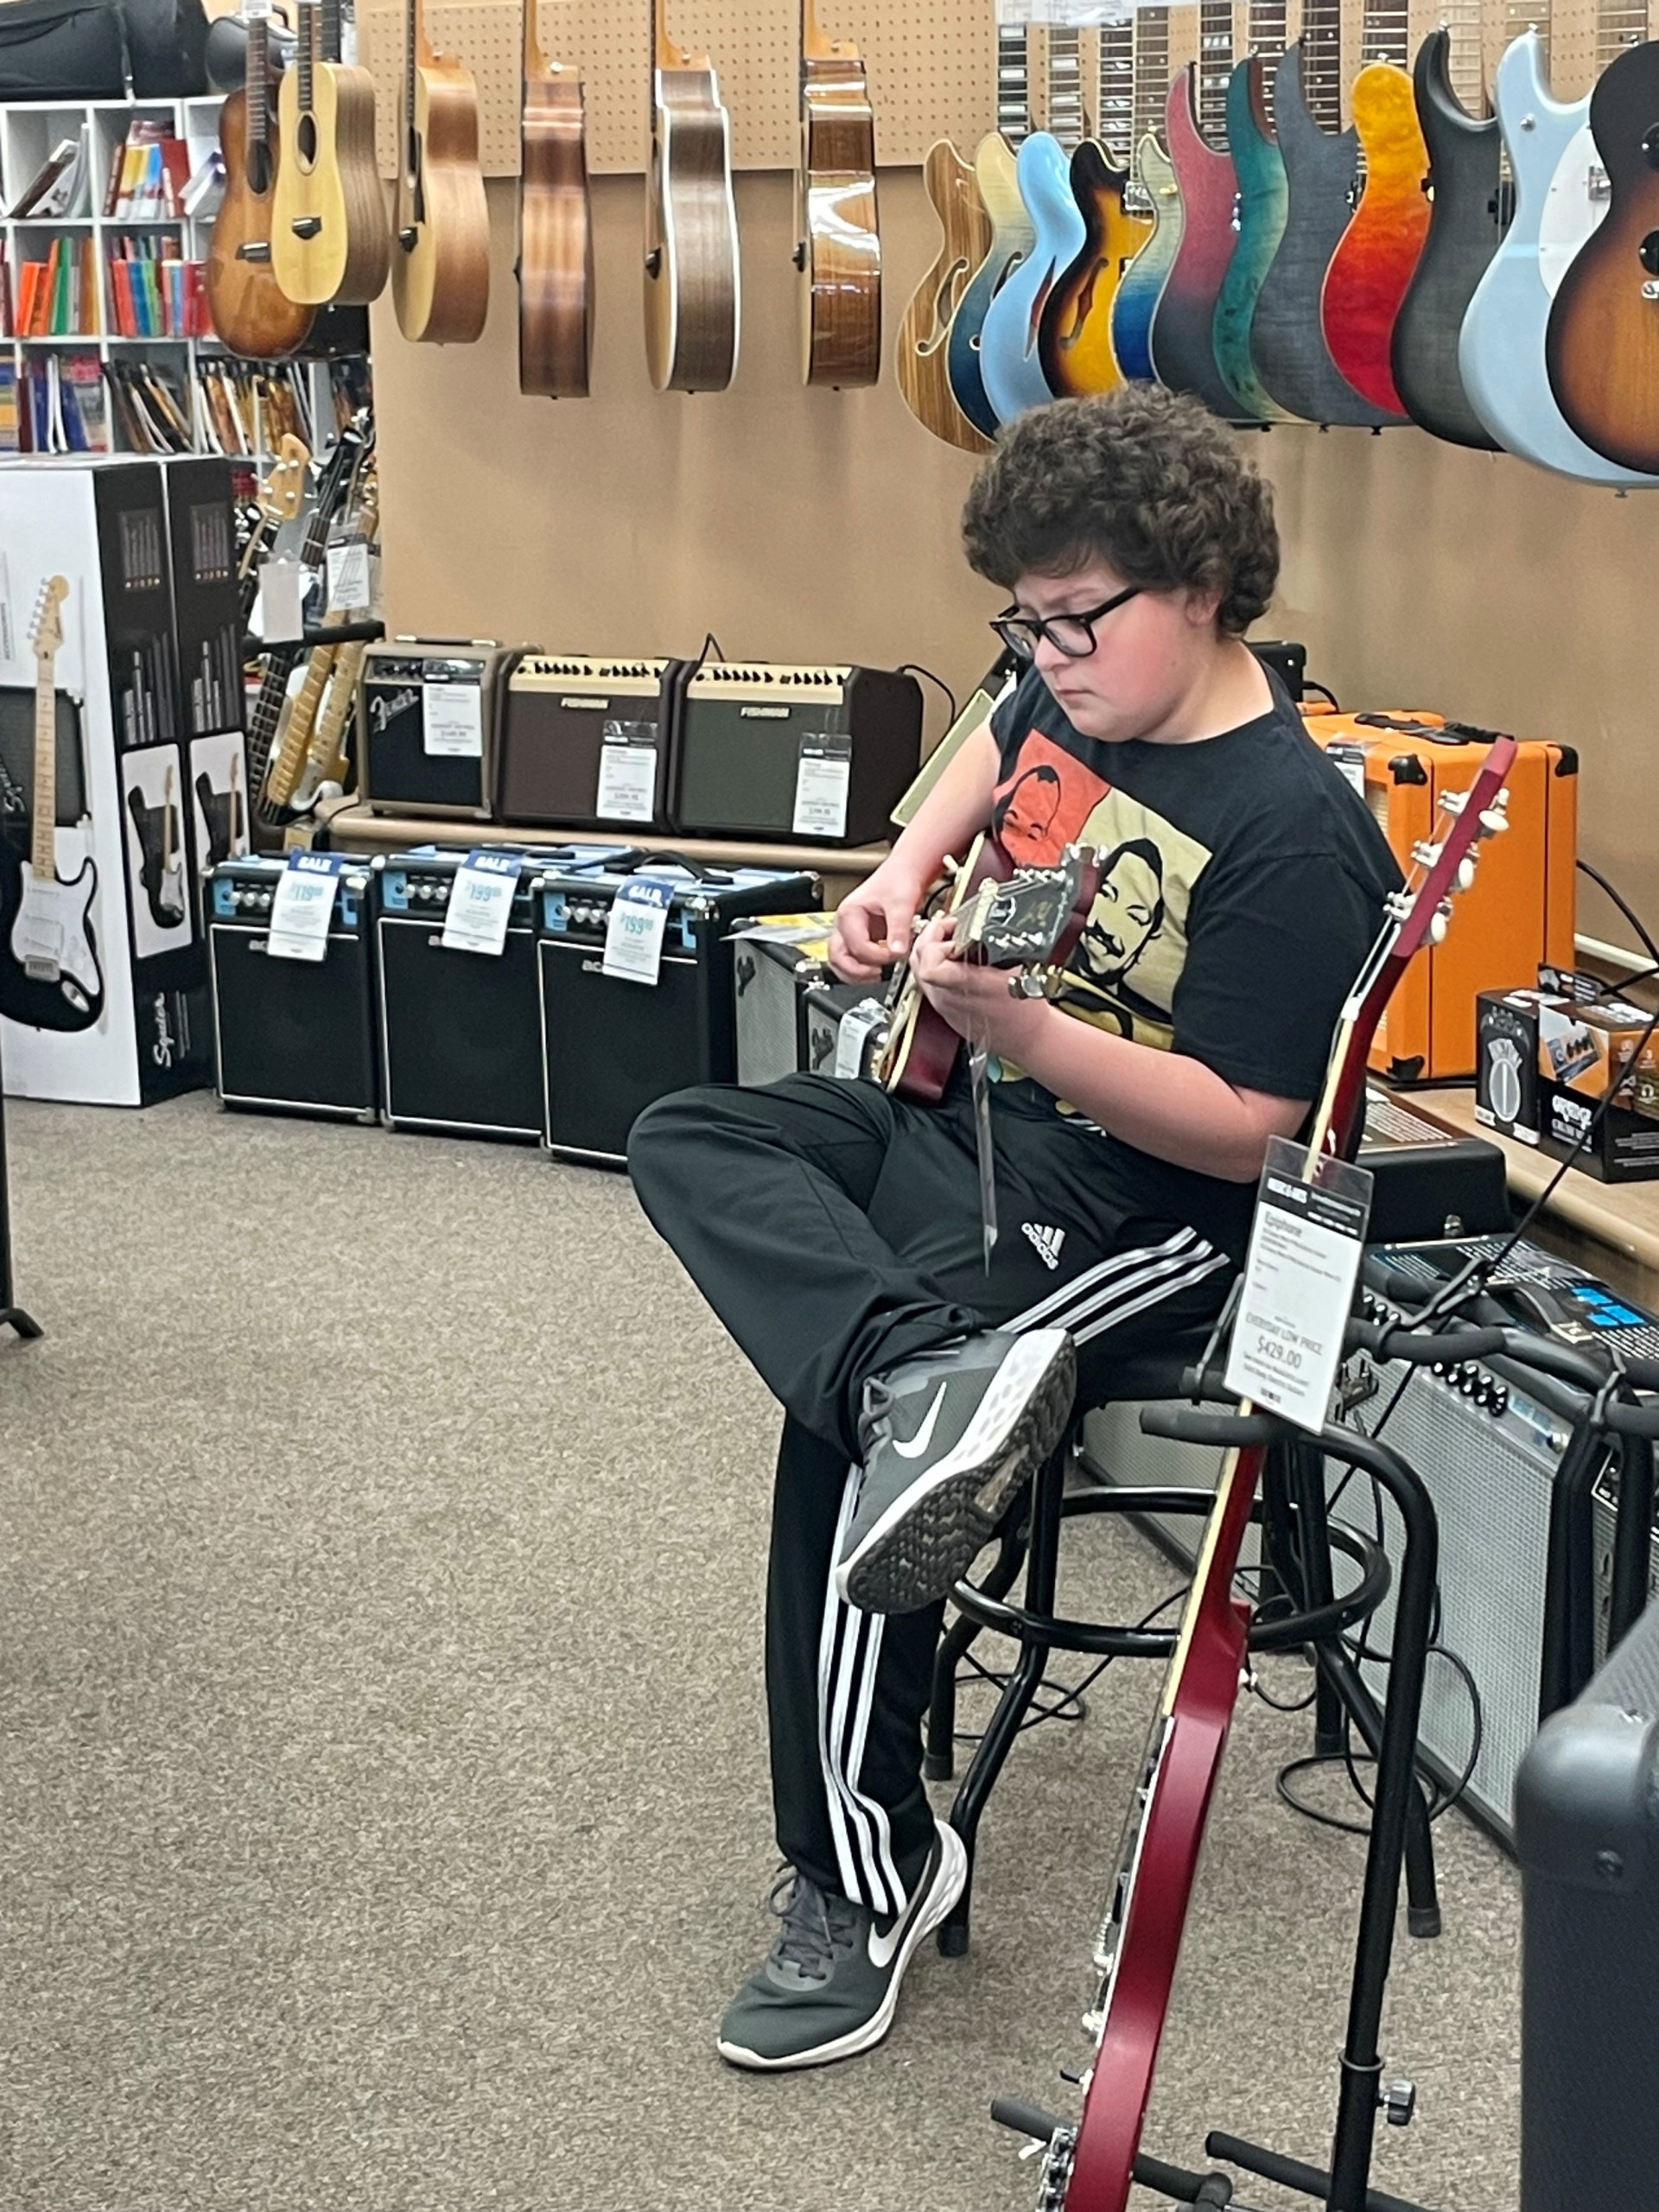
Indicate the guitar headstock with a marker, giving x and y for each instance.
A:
(46, 624)
(1018, 922)
(283, 490)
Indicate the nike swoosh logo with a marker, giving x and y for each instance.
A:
(884, 1948)
(924, 1436)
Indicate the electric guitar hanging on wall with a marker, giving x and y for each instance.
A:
(921, 357)
(1076, 340)
(250, 311)
(1010, 352)
(279, 500)
(838, 239)
(329, 236)
(50, 976)
(995, 173)
(1153, 194)
(556, 235)
(441, 258)
(1090, 2168)
(1260, 220)
(1183, 344)
(693, 277)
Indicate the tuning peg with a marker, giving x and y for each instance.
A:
(1425, 852)
(1453, 803)
(1465, 871)
(1439, 924)
(1495, 819)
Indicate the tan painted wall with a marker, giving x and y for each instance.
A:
(815, 526)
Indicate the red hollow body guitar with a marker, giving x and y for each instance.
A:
(1091, 2170)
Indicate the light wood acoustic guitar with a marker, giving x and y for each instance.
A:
(921, 357)
(1076, 336)
(693, 281)
(1602, 341)
(838, 250)
(441, 269)
(330, 235)
(250, 311)
(556, 232)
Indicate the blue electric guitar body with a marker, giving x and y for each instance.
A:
(1012, 239)
(1501, 356)
(1263, 201)
(1009, 359)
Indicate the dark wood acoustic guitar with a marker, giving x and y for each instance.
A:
(250, 311)
(838, 238)
(556, 232)
(1602, 341)
(441, 265)
(693, 280)
(1090, 2169)
(1468, 213)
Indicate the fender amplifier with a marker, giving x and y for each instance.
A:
(587, 744)
(1522, 907)
(1488, 1454)
(460, 1046)
(791, 1003)
(1586, 1816)
(773, 752)
(612, 1045)
(291, 1036)
(426, 724)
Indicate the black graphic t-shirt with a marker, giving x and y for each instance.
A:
(1242, 885)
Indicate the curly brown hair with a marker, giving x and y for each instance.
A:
(1142, 478)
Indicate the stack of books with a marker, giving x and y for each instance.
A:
(58, 297)
(53, 404)
(154, 291)
(150, 173)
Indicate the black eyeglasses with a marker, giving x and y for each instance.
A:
(1070, 634)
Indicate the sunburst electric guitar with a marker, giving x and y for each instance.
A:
(440, 259)
(693, 281)
(50, 976)
(1090, 2168)
(1076, 339)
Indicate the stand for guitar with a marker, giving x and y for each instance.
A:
(1360, 2093)
(12, 1315)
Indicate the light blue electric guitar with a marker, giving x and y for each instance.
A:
(1561, 196)
(1154, 193)
(1009, 359)
(995, 172)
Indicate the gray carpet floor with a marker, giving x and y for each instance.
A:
(382, 1746)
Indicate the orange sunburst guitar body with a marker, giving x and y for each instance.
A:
(922, 358)
(556, 238)
(250, 311)
(1076, 338)
(1377, 254)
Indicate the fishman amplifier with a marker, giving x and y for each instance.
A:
(613, 1044)
(588, 744)
(459, 1044)
(426, 711)
(291, 1036)
(773, 753)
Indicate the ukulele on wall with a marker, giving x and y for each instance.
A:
(250, 311)
(838, 249)
(50, 976)
(556, 240)
(329, 238)
(693, 280)
(441, 254)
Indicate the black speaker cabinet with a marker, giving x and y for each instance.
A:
(612, 1045)
(427, 715)
(291, 1036)
(587, 744)
(822, 755)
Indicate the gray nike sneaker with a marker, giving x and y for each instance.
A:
(949, 1437)
(830, 1985)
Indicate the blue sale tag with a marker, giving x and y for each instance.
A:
(304, 905)
(481, 902)
(638, 924)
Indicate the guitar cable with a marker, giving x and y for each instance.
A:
(915, 668)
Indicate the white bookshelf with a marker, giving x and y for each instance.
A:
(28, 131)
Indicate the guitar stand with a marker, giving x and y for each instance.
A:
(12, 1316)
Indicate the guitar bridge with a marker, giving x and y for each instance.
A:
(40, 969)
(254, 249)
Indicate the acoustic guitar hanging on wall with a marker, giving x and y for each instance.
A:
(329, 239)
(250, 311)
(838, 241)
(556, 239)
(441, 260)
(693, 285)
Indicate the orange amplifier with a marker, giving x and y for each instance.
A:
(1522, 907)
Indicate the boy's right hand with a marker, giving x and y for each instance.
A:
(872, 926)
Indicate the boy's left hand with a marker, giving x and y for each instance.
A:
(975, 999)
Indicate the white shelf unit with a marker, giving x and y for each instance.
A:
(28, 131)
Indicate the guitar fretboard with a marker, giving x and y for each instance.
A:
(1065, 85)
(1462, 19)
(1215, 67)
(42, 842)
(1619, 24)
(1114, 115)
(1322, 62)
(1151, 32)
(306, 51)
(1269, 27)
(1388, 34)
(1013, 83)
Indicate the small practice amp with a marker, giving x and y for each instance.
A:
(1427, 1184)
(460, 1042)
(426, 711)
(1488, 1453)
(612, 1045)
(790, 1003)
(587, 744)
(291, 1036)
(775, 752)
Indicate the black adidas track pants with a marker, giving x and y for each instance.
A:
(836, 1230)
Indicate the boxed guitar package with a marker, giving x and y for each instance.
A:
(1549, 1058)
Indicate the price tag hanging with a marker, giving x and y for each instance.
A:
(481, 902)
(638, 924)
(628, 773)
(824, 777)
(304, 905)
(282, 591)
(452, 720)
(1305, 1244)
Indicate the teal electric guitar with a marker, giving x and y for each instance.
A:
(1262, 204)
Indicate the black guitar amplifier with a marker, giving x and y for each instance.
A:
(612, 1044)
(587, 744)
(774, 753)
(427, 712)
(791, 1005)
(460, 1037)
(1427, 1183)
(291, 1036)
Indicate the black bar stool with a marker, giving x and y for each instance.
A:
(1298, 1539)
